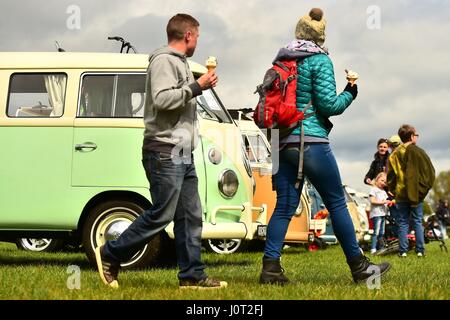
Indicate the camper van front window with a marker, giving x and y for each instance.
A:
(209, 107)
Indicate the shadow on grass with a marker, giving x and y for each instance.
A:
(18, 258)
(80, 262)
(48, 261)
(222, 263)
(173, 264)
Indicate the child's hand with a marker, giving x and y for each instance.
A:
(390, 203)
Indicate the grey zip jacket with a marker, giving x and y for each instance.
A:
(170, 115)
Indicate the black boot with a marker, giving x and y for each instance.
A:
(272, 272)
(359, 267)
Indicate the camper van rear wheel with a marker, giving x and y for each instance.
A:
(39, 245)
(224, 246)
(107, 221)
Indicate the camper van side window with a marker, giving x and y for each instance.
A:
(112, 96)
(249, 149)
(262, 154)
(37, 95)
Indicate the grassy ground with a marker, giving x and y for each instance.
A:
(316, 275)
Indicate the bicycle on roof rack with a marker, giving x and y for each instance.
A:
(125, 44)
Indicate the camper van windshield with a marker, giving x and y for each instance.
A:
(209, 107)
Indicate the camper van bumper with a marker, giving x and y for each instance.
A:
(244, 229)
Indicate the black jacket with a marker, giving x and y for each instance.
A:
(379, 164)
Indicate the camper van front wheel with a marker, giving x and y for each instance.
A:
(107, 221)
(224, 246)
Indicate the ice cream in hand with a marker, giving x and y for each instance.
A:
(211, 63)
(352, 76)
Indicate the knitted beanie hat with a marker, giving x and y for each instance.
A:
(312, 27)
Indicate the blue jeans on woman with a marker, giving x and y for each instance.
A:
(404, 212)
(174, 191)
(322, 171)
(378, 231)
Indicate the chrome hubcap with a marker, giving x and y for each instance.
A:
(35, 244)
(224, 246)
(110, 225)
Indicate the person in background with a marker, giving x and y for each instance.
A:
(393, 142)
(316, 83)
(410, 176)
(378, 209)
(443, 214)
(379, 163)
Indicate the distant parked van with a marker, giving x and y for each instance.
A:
(71, 131)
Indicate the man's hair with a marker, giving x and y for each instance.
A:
(405, 132)
(179, 24)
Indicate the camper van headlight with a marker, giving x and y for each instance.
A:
(228, 183)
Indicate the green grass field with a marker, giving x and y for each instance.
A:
(315, 275)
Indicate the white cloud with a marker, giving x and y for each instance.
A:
(404, 67)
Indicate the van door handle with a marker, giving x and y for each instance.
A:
(86, 145)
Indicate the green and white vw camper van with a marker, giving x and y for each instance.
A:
(71, 129)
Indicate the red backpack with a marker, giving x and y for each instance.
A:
(276, 108)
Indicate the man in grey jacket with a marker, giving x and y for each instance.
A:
(169, 139)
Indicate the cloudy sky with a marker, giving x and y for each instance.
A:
(400, 48)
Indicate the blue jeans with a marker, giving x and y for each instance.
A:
(404, 211)
(322, 171)
(393, 212)
(174, 191)
(378, 231)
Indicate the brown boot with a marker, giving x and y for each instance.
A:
(272, 272)
(362, 268)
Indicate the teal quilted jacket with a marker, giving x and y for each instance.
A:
(316, 82)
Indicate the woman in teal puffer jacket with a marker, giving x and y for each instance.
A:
(315, 84)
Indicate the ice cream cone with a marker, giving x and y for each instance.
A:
(211, 64)
(210, 68)
(351, 80)
(352, 76)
